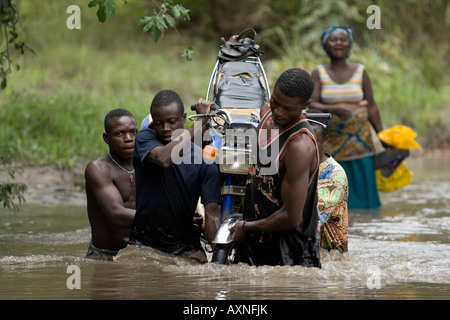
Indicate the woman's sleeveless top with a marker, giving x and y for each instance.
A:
(351, 138)
(348, 92)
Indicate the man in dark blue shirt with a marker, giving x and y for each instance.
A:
(171, 175)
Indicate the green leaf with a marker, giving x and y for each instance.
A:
(105, 8)
(188, 53)
(110, 8)
(176, 11)
(160, 24)
(93, 3)
(101, 14)
(170, 20)
(184, 12)
(155, 34)
(147, 22)
(110, 11)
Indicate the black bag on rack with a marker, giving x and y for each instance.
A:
(239, 48)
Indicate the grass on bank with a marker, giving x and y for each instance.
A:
(53, 108)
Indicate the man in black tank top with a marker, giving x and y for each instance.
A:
(280, 225)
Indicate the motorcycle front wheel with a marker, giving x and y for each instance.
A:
(223, 254)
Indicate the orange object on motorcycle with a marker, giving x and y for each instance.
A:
(209, 152)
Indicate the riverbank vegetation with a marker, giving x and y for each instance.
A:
(53, 108)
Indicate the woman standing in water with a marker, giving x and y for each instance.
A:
(343, 89)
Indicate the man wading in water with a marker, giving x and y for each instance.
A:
(168, 189)
(280, 224)
(110, 188)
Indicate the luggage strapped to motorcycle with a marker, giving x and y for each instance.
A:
(239, 48)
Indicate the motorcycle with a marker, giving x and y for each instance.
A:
(239, 88)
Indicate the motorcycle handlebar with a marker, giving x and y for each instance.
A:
(318, 116)
(194, 107)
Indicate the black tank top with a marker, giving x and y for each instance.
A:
(263, 197)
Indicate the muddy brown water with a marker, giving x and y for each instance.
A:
(401, 251)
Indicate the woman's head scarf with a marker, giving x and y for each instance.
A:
(347, 30)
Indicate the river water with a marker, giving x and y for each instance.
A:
(401, 251)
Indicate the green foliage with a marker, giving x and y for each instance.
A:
(157, 23)
(10, 192)
(160, 20)
(188, 53)
(105, 8)
(298, 23)
(9, 18)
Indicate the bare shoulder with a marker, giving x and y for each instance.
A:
(97, 168)
(303, 143)
(263, 109)
(97, 164)
(315, 73)
(302, 151)
(300, 160)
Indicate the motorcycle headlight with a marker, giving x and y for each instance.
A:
(233, 160)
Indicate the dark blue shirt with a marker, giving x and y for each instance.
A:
(166, 199)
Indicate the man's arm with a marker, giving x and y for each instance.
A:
(162, 155)
(108, 197)
(294, 187)
(212, 221)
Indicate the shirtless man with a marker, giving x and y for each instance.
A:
(110, 187)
